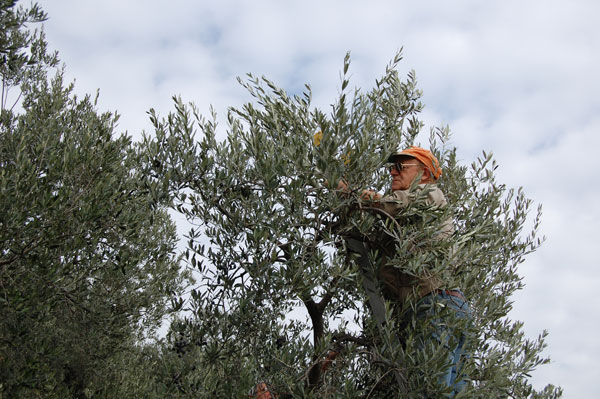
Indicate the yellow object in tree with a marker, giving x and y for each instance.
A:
(317, 138)
(346, 158)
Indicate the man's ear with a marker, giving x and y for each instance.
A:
(426, 177)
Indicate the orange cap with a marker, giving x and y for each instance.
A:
(421, 154)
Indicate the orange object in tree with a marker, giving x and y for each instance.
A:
(263, 392)
(331, 355)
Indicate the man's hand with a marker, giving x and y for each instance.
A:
(342, 186)
(368, 195)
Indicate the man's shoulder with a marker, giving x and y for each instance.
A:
(435, 196)
(428, 193)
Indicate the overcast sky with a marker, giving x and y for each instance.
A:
(518, 78)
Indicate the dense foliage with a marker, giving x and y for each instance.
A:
(271, 234)
(87, 257)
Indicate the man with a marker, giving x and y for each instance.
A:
(423, 295)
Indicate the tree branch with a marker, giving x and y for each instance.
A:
(316, 316)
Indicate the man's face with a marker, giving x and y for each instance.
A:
(407, 171)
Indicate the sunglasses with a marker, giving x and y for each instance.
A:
(399, 167)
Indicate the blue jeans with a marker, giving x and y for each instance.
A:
(439, 309)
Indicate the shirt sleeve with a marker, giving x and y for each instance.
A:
(400, 199)
(393, 203)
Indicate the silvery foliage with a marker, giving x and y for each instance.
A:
(269, 238)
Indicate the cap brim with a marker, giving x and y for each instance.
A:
(397, 157)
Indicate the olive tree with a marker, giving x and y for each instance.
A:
(87, 254)
(270, 236)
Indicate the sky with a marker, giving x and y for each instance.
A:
(515, 78)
